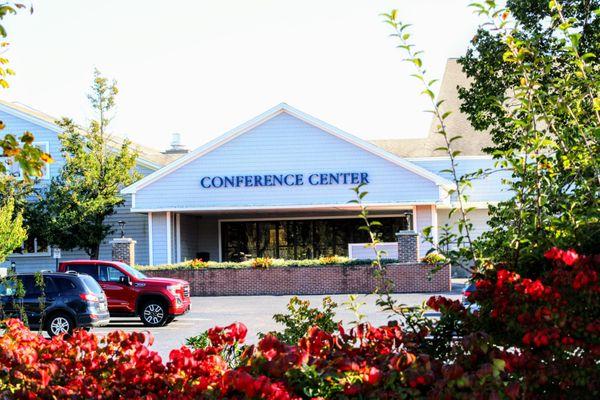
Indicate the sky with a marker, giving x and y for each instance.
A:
(200, 68)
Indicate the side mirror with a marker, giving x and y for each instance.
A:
(125, 280)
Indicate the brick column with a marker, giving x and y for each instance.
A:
(408, 246)
(123, 249)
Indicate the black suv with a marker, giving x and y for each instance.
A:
(71, 301)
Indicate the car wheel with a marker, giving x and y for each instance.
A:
(154, 313)
(59, 324)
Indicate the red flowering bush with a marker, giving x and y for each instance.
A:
(551, 320)
(365, 362)
(534, 337)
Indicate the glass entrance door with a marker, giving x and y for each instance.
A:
(302, 239)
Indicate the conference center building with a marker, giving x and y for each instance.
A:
(280, 185)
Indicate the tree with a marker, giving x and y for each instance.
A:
(20, 163)
(72, 211)
(12, 233)
(535, 86)
(17, 151)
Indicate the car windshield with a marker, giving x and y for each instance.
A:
(132, 271)
(91, 284)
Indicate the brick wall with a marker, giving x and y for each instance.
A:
(330, 279)
(408, 246)
(123, 249)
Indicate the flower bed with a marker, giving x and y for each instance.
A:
(273, 263)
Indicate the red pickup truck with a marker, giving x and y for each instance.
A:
(157, 301)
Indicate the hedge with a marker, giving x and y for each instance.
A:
(261, 263)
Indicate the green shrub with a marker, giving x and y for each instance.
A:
(275, 263)
(330, 260)
(434, 259)
(227, 341)
(301, 317)
(200, 341)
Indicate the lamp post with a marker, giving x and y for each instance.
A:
(122, 226)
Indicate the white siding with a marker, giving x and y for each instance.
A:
(423, 219)
(208, 237)
(159, 238)
(189, 236)
(359, 251)
(284, 145)
(18, 126)
(485, 188)
(136, 225)
(477, 217)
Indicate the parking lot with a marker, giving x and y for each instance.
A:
(254, 311)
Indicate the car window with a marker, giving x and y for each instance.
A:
(110, 274)
(32, 289)
(91, 284)
(89, 269)
(29, 285)
(49, 286)
(131, 270)
(64, 285)
(7, 288)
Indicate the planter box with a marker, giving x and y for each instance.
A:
(327, 279)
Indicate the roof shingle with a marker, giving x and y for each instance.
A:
(472, 142)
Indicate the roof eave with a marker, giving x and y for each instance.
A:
(272, 112)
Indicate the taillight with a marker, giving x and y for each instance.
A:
(467, 293)
(92, 298)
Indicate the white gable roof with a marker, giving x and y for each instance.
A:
(267, 115)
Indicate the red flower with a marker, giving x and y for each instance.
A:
(228, 335)
(553, 254)
(535, 289)
(570, 257)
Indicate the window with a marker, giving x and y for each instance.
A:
(110, 274)
(33, 246)
(64, 285)
(45, 147)
(130, 270)
(13, 168)
(32, 289)
(7, 288)
(49, 286)
(89, 269)
(29, 285)
(91, 284)
(302, 239)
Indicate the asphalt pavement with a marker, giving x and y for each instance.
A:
(255, 312)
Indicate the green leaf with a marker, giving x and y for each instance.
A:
(429, 93)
